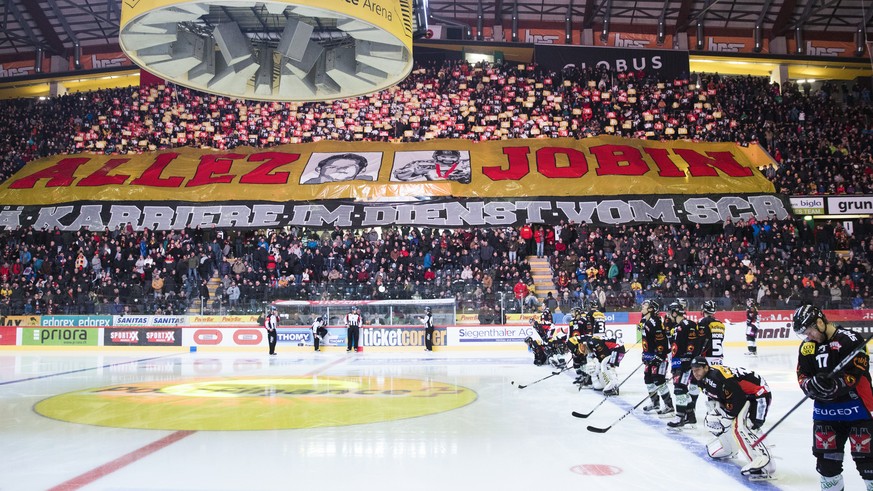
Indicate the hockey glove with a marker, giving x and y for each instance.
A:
(717, 424)
(651, 359)
(714, 409)
(712, 406)
(755, 424)
(821, 388)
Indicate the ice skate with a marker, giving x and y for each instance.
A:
(678, 421)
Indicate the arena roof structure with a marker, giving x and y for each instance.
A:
(63, 26)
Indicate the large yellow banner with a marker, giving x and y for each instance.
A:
(601, 166)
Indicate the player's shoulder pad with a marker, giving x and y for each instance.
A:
(807, 348)
(724, 371)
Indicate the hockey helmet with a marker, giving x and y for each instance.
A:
(427, 310)
(651, 306)
(699, 361)
(806, 316)
(683, 303)
(546, 311)
(675, 308)
(750, 302)
(708, 307)
(319, 319)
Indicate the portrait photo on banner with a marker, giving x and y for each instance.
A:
(336, 167)
(436, 165)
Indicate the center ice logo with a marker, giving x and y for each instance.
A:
(255, 403)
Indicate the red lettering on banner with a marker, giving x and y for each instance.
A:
(706, 165)
(518, 165)
(610, 158)
(101, 176)
(214, 164)
(58, 175)
(666, 167)
(152, 175)
(547, 163)
(262, 173)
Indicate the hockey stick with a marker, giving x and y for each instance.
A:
(830, 375)
(585, 415)
(648, 396)
(520, 386)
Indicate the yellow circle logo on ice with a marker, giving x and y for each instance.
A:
(255, 403)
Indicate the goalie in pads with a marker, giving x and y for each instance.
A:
(603, 356)
(737, 407)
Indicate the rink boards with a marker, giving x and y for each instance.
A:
(243, 332)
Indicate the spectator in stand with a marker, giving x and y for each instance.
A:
(540, 240)
(550, 302)
(526, 234)
(521, 291)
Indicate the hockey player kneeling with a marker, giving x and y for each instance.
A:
(579, 354)
(737, 407)
(603, 356)
(536, 343)
(540, 357)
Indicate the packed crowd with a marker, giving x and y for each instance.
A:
(821, 139)
(778, 263)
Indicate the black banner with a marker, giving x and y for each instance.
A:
(142, 336)
(443, 213)
(667, 62)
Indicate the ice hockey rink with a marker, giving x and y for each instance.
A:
(161, 420)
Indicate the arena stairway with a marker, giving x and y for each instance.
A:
(542, 275)
(212, 285)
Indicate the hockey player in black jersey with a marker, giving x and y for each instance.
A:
(685, 347)
(537, 342)
(595, 321)
(843, 398)
(711, 332)
(604, 355)
(738, 404)
(427, 320)
(752, 326)
(656, 352)
(577, 322)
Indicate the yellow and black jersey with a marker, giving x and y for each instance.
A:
(732, 387)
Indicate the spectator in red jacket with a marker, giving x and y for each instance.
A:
(520, 290)
(526, 233)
